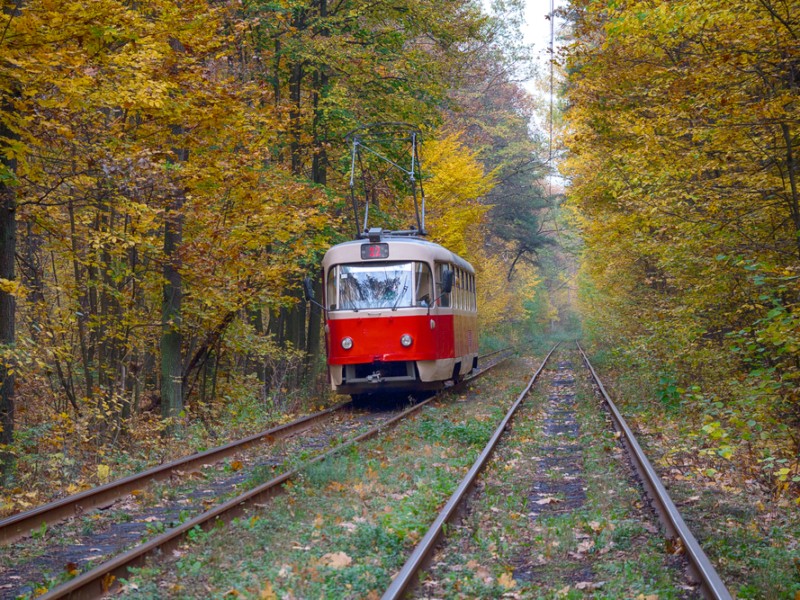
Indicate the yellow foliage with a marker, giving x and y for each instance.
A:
(682, 166)
(15, 287)
(455, 184)
(454, 187)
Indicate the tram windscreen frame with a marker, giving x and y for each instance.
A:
(385, 284)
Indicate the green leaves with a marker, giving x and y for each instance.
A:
(680, 162)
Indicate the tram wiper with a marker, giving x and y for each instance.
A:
(400, 295)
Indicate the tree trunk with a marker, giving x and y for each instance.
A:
(794, 198)
(256, 316)
(294, 116)
(8, 308)
(314, 338)
(319, 163)
(83, 316)
(8, 241)
(171, 365)
(297, 72)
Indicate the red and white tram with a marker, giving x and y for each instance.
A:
(400, 315)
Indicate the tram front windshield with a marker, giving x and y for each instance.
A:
(379, 285)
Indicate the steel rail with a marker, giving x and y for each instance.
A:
(701, 569)
(17, 526)
(493, 352)
(421, 555)
(14, 527)
(98, 581)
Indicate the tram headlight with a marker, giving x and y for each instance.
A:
(406, 340)
(347, 343)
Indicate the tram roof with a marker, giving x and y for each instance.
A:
(412, 248)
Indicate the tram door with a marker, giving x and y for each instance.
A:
(443, 316)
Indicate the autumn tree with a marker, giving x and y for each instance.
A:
(10, 90)
(496, 113)
(683, 141)
(172, 171)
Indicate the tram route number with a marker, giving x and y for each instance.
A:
(370, 251)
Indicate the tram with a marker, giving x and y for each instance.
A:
(400, 312)
(400, 315)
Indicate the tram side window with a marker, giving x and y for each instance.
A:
(459, 288)
(470, 295)
(331, 294)
(465, 290)
(472, 292)
(457, 285)
(455, 301)
(445, 299)
(422, 284)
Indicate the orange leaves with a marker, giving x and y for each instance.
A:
(457, 182)
(336, 560)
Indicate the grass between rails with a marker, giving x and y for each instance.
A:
(749, 532)
(347, 525)
(585, 534)
(67, 457)
(55, 554)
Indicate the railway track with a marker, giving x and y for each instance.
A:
(560, 423)
(701, 571)
(99, 579)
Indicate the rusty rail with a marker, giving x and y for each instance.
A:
(14, 527)
(701, 568)
(99, 580)
(421, 555)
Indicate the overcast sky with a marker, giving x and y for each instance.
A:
(537, 31)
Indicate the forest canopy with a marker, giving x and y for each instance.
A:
(683, 131)
(170, 171)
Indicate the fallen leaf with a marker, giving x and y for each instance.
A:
(589, 585)
(595, 526)
(336, 560)
(267, 593)
(103, 471)
(107, 581)
(547, 500)
(607, 549)
(237, 465)
(507, 581)
(673, 546)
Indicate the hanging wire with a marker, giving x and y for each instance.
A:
(353, 198)
(552, 61)
(414, 175)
